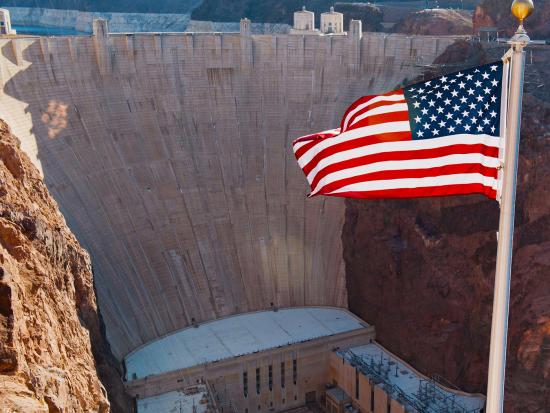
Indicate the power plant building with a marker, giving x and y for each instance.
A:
(273, 361)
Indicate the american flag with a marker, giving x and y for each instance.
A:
(435, 138)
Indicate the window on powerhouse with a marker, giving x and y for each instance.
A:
(270, 377)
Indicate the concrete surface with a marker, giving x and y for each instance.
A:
(169, 155)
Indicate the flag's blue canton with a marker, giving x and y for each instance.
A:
(464, 102)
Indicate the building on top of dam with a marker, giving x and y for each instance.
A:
(304, 22)
(5, 22)
(332, 22)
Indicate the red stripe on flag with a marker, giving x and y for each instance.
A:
(425, 192)
(411, 173)
(382, 118)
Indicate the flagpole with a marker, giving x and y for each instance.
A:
(499, 329)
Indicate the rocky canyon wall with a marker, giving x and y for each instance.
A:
(53, 355)
(422, 270)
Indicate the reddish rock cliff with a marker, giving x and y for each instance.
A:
(370, 15)
(436, 22)
(52, 351)
(422, 270)
(496, 13)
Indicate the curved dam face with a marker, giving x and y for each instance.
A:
(169, 155)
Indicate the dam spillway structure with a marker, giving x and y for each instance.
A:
(169, 156)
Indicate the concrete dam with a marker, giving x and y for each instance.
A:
(169, 156)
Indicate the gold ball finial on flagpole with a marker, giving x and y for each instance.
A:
(521, 9)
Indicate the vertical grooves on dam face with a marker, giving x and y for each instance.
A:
(170, 157)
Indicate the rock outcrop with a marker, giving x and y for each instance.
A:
(53, 357)
(370, 15)
(436, 22)
(496, 13)
(422, 270)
